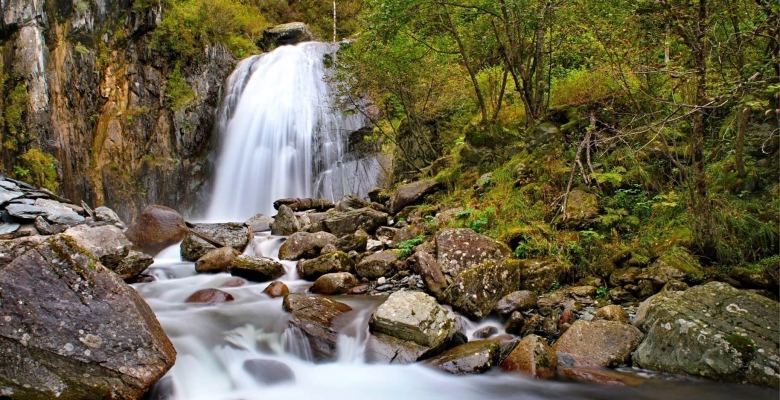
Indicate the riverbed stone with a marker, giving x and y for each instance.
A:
(74, 330)
(597, 344)
(412, 193)
(107, 243)
(431, 274)
(107, 216)
(230, 234)
(305, 245)
(338, 261)
(132, 265)
(477, 290)
(344, 223)
(209, 296)
(378, 265)
(285, 222)
(386, 349)
(314, 317)
(413, 316)
(613, 312)
(216, 261)
(334, 283)
(473, 357)
(600, 376)
(532, 356)
(259, 223)
(352, 242)
(714, 331)
(256, 269)
(460, 249)
(269, 372)
(520, 300)
(156, 228)
(276, 289)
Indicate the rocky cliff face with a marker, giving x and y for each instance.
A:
(82, 84)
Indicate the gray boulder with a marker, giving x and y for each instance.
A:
(230, 234)
(413, 316)
(107, 243)
(285, 222)
(367, 219)
(471, 358)
(597, 344)
(74, 330)
(286, 34)
(378, 265)
(132, 265)
(305, 245)
(460, 249)
(713, 331)
(259, 223)
(386, 349)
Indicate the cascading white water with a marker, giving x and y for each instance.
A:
(281, 133)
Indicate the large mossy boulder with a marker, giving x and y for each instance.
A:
(230, 234)
(256, 269)
(673, 264)
(349, 222)
(107, 243)
(413, 316)
(336, 261)
(71, 329)
(334, 283)
(471, 358)
(412, 193)
(156, 228)
(597, 344)
(460, 249)
(378, 265)
(216, 261)
(477, 290)
(286, 34)
(581, 208)
(314, 316)
(714, 331)
(305, 245)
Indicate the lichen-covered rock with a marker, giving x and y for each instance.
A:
(532, 356)
(132, 265)
(460, 249)
(107, 243)
(411, 193)
(305, 245)
(378, 265)
(754, 278)
(286, 34)
(540, 275)
(338, 261)
(314, 317)
(72, 329)
(216, 261)
(413, 316)
(285, 222)
(334, 283)
(520, 300)
(624, 276)
(429, 270)
(713, 331)
(367, 219)
(257, 269)
(477, 290)
(674, 263)
(597, 344)
(352, 242)
(230, 234)
(156, 228)
(471, 358)
(259, 223)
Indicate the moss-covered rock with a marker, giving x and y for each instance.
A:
(477, 290)
(337, 261)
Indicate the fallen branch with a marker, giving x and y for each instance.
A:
(204, 237)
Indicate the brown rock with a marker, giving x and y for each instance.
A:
(520, 300)
(532, 356)
(600, 376)
(431, 274)
(305, 245)
(209, 296)
(531, 325)
(597, 344)
(567, 318)
(305, 204)
(132, 265)
(411, 193)
(276, 289)
(378, 265)
(471, 358)
(256, 269)
(217, 260)
(613, 313)
(386, 349)
(329, 263)
(334, 283)
(233, 282)
(156, 228)
(360, 289)
(314, 316)
(540, 275)
(515, 323)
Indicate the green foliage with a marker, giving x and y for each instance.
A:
(190, 25)
(15, 111)
(178, 92)
(81, 49)
(602, 292)
(38, 168)
(406, 247)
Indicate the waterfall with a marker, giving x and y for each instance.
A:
(282, 134)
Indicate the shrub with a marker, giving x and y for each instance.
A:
(38, 168)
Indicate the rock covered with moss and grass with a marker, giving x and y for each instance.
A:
(714, 331)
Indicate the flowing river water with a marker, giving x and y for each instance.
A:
(282, 139)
